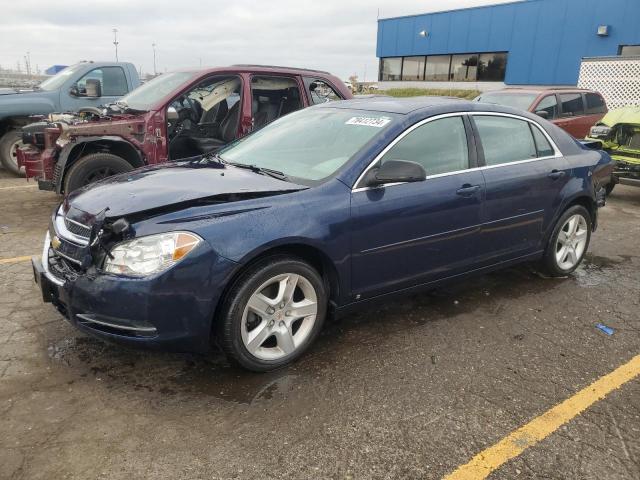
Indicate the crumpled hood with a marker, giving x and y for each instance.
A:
(622, 115)
(172, 186)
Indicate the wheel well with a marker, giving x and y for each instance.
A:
(587, 203)
(315, 257)
(122, 149)
(13, 122)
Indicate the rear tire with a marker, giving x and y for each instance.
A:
(272, 314)
(568, 243)
(94, 167)
(9, 144)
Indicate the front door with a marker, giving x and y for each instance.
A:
(113, 84)
(412, 233)
(524, 175)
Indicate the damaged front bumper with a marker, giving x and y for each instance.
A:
(173, 310)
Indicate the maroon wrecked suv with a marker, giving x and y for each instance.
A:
(174, 116)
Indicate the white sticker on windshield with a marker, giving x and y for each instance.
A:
(377, 122)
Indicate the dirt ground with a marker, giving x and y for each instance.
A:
(409, 390)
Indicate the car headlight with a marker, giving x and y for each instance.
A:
(148, 255)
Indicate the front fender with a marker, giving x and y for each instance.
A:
(81, 143)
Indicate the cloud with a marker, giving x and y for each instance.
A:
(330, 35)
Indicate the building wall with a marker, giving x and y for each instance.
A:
(546, 39)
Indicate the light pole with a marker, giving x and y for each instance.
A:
(155, 72)
(115, 41)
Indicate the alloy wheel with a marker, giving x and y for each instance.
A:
(571, 242)
(279, 316)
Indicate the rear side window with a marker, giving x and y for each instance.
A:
(543, 146)
(320, 92)
(549, 104)
(439, 146)
(595, 104)
(505, 139)
(571, 104)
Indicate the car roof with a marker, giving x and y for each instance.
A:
(259, 69)
(381, 103)
(541, 90)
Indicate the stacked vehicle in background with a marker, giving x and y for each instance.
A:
(86, 85)
(174, 116)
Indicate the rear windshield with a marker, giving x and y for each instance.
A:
(521, 101)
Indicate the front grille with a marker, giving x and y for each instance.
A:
(77, 228)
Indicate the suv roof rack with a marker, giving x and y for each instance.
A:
(280, 66)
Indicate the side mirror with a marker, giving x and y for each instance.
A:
(94, 88)
(543, 113)
(397, 171)
(73, 91)
(172, 114)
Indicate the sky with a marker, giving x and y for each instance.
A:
(334, 35)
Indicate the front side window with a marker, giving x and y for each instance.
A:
(595, 104)
(311, 144)
(321, 92)
(505, 139)
(439, 146)
(112, 80)
(413, 68)
(390, 69)
(571, 104)
(549, 104)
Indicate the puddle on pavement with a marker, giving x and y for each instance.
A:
(170, 377)
(596, 270)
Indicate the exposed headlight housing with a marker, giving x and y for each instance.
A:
(599, 131)
(145, 256)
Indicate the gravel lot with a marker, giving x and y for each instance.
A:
(408, 390)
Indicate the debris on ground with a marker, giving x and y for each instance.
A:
(608, 330)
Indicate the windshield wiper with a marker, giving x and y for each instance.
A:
(264, 171)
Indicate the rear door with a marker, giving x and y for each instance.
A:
(411, 233)
(572, 116)
(524, 174)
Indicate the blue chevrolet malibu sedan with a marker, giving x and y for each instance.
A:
(318, 212)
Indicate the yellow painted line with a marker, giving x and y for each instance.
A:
(18, 186)
(541, 427)
(15, 259)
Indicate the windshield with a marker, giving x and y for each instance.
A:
(310, 144)
(55, 82)
(521, 101)
(147, 96)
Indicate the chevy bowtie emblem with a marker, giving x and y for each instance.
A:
(55, 242)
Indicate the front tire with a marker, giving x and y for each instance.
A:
(94, 167)
(272, 314)
(568, 243)
(9, 144)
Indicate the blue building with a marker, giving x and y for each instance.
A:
(530, 42)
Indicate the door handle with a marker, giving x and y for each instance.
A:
(556, 174)
(468, 190)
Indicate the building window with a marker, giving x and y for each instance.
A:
(413, 68)
(391, 68)
(464, 68)
(629, 50)
(437, 68)
(469, 67)
(492, 67)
